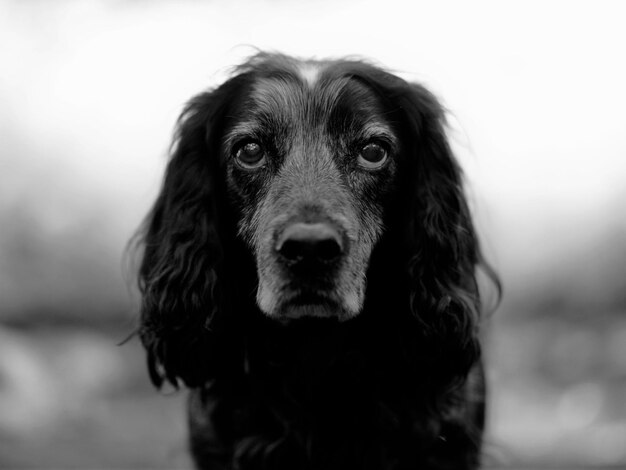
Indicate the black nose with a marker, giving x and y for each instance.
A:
(310, 242)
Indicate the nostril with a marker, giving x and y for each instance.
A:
(313, 242)
(327, 250)
(295, 249)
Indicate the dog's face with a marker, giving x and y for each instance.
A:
(305, 179)
(310, 157)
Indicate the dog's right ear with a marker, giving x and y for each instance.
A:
(183, 249)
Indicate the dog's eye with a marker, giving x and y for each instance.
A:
(250, 155)
(372, 156)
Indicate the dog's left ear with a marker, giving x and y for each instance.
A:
(441, 243)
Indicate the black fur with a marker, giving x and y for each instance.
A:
(397, 384)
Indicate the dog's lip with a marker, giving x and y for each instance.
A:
(309, 302)
(315, 290)
(295, 298)
(305, 304)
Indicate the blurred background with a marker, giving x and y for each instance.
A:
(89, 92)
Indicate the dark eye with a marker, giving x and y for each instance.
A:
(250, 155)
(372, 156)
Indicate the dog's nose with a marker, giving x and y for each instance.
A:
(310, 242)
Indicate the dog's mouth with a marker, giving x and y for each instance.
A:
(311, 304)
(296, 301)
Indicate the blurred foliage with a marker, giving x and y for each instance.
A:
(67, 268)
(71, 398)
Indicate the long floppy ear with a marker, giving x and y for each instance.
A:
(183, 249)
(443, 248)
(441, 253)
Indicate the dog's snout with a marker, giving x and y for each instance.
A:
(310, 242)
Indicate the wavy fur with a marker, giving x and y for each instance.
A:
(400, 386)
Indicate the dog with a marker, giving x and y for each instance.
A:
(309, 273)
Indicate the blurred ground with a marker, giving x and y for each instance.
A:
(71, 398)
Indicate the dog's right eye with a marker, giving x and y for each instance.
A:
(250, 155)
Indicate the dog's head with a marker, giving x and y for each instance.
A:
(300, 171)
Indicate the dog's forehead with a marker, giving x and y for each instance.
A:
(313, 95)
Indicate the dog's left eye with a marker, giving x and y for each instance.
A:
(250, 155)
(372, 156)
